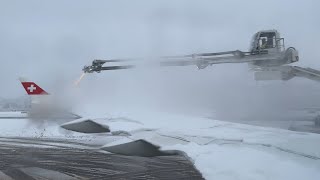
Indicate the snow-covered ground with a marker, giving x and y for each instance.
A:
(220, 150)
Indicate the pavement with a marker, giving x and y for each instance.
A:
(37, 158)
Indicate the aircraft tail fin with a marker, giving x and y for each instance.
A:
(32, 88)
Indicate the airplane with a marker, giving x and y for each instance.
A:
(42, 106)
(267, 57)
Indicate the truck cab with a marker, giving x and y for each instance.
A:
(267, 42)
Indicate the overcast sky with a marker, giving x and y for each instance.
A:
(50, 41)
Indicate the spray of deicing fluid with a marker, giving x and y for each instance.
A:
(78, 80)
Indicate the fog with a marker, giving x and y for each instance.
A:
(50, 41)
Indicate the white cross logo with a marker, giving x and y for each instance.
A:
(31, 88)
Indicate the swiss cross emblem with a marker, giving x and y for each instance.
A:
(31, 88)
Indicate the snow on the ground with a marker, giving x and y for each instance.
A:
(220, 150)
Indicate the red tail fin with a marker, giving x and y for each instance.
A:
(33, 89)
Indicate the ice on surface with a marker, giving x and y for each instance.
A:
(245, 162)
(224, 150)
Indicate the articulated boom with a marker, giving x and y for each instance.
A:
(97, 66)
(267, 54)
